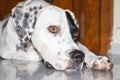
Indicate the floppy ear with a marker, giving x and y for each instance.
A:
(24, 19)
(73, 25)
(24, 22)
(73, 17)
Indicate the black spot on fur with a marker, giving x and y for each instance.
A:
(25, 20)
(30, 9)
(30, 20)
(35, 8)
(22, 32)
(40, 7)
(26, 15)
(25, 23)
(18, 13)
(25, 45)
(26, 39)
(35, 12)
(17, 22)
(30, 33)
(21, 48)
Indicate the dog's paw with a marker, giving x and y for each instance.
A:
(102, 63)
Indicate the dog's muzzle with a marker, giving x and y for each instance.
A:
(76, 59)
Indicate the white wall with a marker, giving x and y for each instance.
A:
(116, 23)
(115, 43)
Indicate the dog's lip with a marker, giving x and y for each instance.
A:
(48, 65)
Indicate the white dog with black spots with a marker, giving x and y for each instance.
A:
(36, 30)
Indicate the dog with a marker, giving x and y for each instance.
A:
(36, 30)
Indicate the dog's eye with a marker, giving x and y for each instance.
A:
(76, 34)
(53, 29)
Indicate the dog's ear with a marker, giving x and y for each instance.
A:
(24, 19)
(24, 22)
(73, 25)
(68, 12)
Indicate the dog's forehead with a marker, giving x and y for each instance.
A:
(51, 13)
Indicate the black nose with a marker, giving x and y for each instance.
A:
(77, 56)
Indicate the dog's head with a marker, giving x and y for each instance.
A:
(54, 35)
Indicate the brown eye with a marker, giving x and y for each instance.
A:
(53, 29)
(76, 34)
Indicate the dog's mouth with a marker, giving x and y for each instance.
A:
(48, 65)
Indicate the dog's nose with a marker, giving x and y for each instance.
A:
(77, 56)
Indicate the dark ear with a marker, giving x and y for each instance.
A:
(68, 12)
(73, 25)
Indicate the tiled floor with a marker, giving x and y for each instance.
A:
(21, 70)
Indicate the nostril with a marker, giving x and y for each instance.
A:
(77, 55)
(108, 61)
